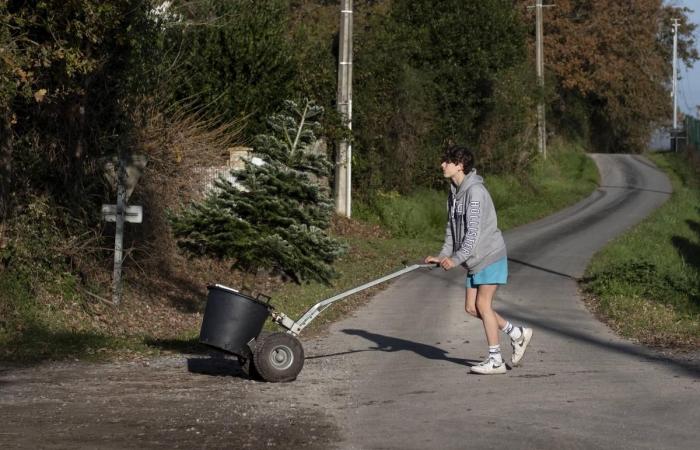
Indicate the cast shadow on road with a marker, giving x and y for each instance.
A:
(542, 269)
(636, 188)
(393, 344)
(217, 365)
(512, 270)
(183, 346)
(553, 326)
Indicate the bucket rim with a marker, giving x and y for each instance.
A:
(241, 294)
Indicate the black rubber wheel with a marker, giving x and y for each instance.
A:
(247, 362)
(278, 357)
(248, 366)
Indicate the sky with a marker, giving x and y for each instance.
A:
(689, 84)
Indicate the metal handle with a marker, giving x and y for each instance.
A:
(296, 327)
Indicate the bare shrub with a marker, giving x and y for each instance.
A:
(178, 141)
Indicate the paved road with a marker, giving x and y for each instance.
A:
(395, 375)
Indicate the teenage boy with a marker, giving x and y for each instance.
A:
(473, 240)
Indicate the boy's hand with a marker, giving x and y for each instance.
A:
(447, 264)
(432, 260)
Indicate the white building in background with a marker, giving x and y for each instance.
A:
(237, 158)
(660, 140)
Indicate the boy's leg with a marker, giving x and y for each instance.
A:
(520, 336)
(494, 363)
(470, 302)
(484, 298)
(471, 309)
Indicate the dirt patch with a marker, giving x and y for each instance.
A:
(176, 402)
(342, 226)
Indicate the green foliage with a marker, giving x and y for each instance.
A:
(646, 279)
(507, 137)
(567, 175)
(16, 304)
(70, 74)
(546, 187)
(32, 262)
(274, 216)
(483, 37)
(232, 56)
(418, 215)
(37, 235)
(428, 76)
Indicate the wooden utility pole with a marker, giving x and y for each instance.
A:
(343, 162)
(539, 56)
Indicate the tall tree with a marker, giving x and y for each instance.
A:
(232, 56)
(615, 59)
(69, 73)
(8, 90)
(425, 75)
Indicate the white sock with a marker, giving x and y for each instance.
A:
(514, 332)
(495, 353)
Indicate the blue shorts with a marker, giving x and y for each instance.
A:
(495, 273)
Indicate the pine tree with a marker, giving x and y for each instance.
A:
(274, 215)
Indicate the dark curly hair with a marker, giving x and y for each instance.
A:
(459, 154)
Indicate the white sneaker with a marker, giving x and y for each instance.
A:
(489, 367)
(520, 347)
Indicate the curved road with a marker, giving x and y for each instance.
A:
(395, 375)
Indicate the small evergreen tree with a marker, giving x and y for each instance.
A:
(275, 214)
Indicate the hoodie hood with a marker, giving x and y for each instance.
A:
(470, 179)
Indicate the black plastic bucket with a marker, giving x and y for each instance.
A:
(232, 319)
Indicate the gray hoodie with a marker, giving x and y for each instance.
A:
(472, 237)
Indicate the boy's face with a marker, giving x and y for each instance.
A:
(450, 169)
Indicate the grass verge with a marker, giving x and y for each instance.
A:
(646, 283)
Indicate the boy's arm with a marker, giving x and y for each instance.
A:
(474, 216)
(447, 245)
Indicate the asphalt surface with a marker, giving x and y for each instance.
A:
(400, 365)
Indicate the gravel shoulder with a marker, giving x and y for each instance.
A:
(197, 401)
